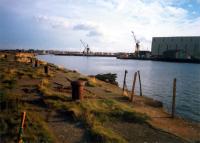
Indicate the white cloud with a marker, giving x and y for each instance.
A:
(107, 23)
(92, 29)
(53, 21)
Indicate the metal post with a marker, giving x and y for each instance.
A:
(140, 83)
(21, 128)
(46, 69)
(124, 80)
(36, 63)
(77, 90)
(174, 98)
(31, 60)
(133, 87)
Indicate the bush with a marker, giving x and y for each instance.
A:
(109, 77)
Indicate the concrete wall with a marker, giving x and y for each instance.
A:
(184, 47)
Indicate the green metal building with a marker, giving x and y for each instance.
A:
(176, 47)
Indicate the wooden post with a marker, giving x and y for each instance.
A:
(21, 128)
(124, 81)
(140, 83)
(174, 98)
(133, 87)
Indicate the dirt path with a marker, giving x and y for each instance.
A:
(65, 129)
(159, 118)
(137, 133)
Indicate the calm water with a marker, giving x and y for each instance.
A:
(157, 78)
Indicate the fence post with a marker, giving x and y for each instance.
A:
(133, 87)
(140, 83)
(174, 98)
(124, 81)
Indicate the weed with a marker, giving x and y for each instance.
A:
(90, 84)
(36, 129)
(9, 83)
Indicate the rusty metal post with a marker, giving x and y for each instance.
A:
(174, 98)
(36, 63)
(124, 81)
(31, 60)
(133, 87)
(20, 140)
(140, 83)
(77, 90)
(46, 69)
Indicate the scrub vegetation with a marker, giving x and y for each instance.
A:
(52, 115)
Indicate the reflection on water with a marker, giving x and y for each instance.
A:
(157, 78)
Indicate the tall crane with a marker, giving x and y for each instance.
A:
(137, 44)
(86, 48)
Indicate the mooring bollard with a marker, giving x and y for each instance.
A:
(31, 60)
(140, 83)
(77, 90)
(46, 69)
(174, 98)
(124, 83)
(133, 87)
(36, 63)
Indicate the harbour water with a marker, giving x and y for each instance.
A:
(157, 79)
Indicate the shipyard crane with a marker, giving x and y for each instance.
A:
(86, 48)
(137, 44)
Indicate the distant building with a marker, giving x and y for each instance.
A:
(176, 47)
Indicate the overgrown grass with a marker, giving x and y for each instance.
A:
(8, 78)
(36, 129)
(93, 113)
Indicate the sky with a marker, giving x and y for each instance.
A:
(105, 25)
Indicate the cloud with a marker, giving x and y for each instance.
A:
(94, 33)
(53, 21)
(84, 27)
(103, 23)
(91, 29)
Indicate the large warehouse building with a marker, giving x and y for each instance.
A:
(176, 47)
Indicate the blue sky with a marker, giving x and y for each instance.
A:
(105, 25)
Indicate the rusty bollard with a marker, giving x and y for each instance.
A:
(77, 90)
(46, 69)
(5, 56)
(36, 63)
(31, 60)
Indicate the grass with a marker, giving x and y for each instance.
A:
(8, 126)
(8, 78)
(36, 129)
(93, 113)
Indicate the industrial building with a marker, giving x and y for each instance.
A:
(176, 47)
